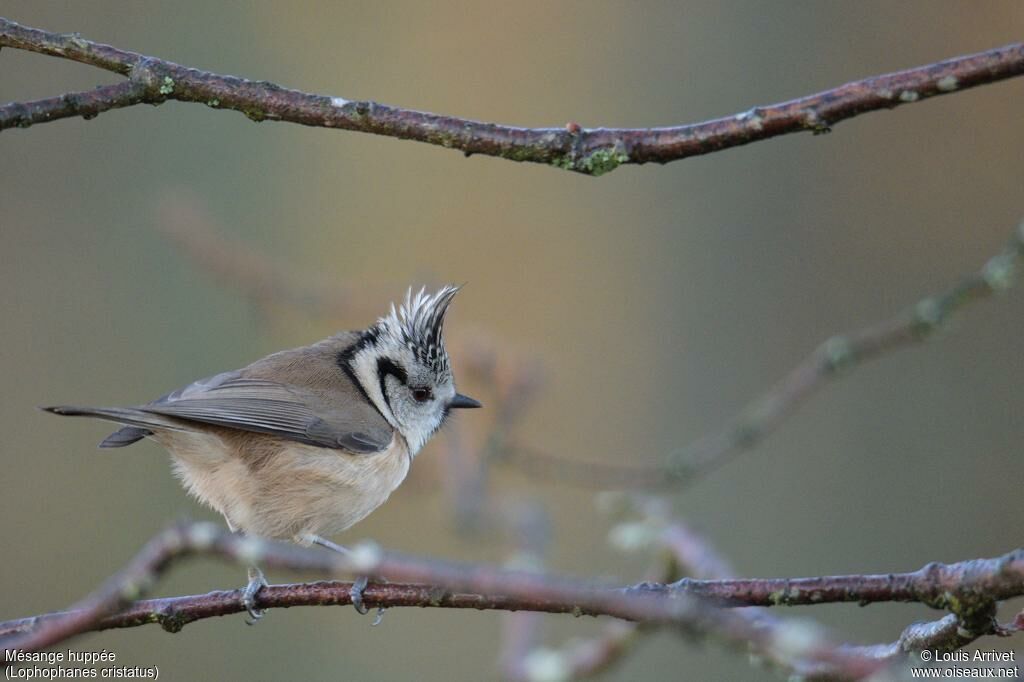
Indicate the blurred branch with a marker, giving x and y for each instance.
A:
(592, 151)
(263, 281)
(522, 631)
(969, 589)
(584, 658)
(697, 557)
(968, 579)
(764, 415)
(515, 382)
(581, 658)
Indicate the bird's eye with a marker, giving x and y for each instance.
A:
(422, 395)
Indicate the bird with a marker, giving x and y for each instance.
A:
(304, 443)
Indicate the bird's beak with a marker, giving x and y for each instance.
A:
(463, 401)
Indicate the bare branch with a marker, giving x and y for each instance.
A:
(970, 589)
(88, 104)
(174, 613)
(449, 583)
(698, 606)
(265, 282)
(592, 151)
(585, 658)
(204, 538)
(965, 587)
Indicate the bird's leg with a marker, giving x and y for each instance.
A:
(333, 546)
(257, 582)
(360, 583)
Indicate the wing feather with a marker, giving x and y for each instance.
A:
(265, 406)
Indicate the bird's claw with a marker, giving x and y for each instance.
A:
(356, 594)
(256, 583)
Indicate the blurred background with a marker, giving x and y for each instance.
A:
(153, 246)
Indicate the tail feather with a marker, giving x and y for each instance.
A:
(139, 423)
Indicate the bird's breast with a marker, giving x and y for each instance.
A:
(276, 488)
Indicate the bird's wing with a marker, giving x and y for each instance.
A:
(291, 412)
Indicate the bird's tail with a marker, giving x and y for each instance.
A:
(138, 423)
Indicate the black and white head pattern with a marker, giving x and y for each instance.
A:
(401, 364)
(418, 325)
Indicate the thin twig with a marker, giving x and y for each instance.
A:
(87, 104)
(592, 151)
(945, 634)
(765, 414)
(518, 380)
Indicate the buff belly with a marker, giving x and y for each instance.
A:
(275, 488)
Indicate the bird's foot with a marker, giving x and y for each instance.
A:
(356, 593)
(256, 583)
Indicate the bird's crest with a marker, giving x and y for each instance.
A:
(418, 324)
